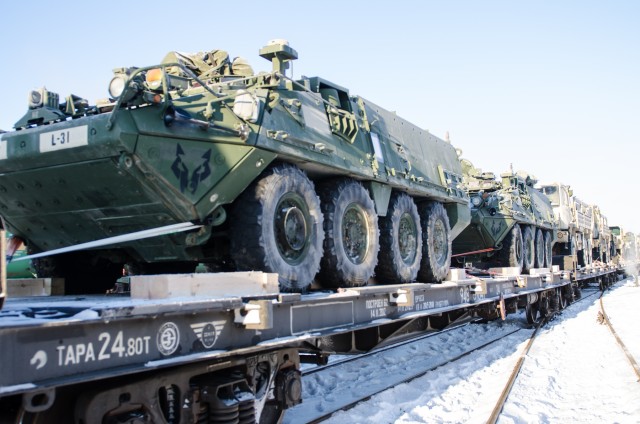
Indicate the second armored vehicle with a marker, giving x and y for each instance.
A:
(512, 223)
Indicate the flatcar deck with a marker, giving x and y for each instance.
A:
(57, 340)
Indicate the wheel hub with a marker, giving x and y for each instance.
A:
(440, 245)
(407, 238)
(355, 234)
(291, 230)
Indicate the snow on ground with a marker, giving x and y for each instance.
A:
(575, 372)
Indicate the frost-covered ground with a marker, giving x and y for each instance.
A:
(575, 372)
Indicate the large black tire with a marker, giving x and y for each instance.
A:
(436, 243)
(400, 242)
(604, 254)
(277, 227)
(548, 249)
(351, 234)
(511, 253)
(539, 249)
(589, 251)
(584, 255)
(528, 248)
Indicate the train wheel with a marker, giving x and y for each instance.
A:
(436, 243)
(548, 253)
(531, 312)
(539, 249)
(528, 248)
(511, 253)
(351, 234)
(278, 228)
(400, 242)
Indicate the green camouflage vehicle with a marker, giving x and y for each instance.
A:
(512, 224)
(199, 159)
(20, 269)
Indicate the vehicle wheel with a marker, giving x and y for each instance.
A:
(539, 249)
(583, 255)
(351, 234)
(277, 227)
(400, 242)
(548, 252)
(436, 243)
(511, 253)
(528, 248)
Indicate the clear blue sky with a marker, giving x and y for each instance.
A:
(552, 87)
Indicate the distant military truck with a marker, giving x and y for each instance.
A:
(575, 226)
(617, 242)
(200, 159)
(630, 247)
(512, 224)
(601, 237)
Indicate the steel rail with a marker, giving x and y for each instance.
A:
(514, 375)
(619, 341)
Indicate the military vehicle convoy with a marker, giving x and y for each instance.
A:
(200, 160)
(512, 224)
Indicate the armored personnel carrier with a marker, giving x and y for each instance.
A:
(199, 159)
(512, 224)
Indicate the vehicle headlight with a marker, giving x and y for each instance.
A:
(476, 201)
(35, 98)
(154, 78)
(117, 86)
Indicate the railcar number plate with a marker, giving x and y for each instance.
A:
(64, 139)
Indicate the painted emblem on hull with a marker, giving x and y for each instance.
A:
(189, 180)
(496, 227)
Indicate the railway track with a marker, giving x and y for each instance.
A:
(604, 319)
(358, 357)
(497, 409)
(321, 406)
